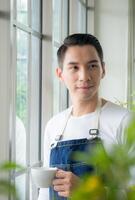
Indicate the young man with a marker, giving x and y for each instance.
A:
(81, 68)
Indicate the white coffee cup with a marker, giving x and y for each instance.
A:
(43, 176)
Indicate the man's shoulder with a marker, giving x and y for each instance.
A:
(60, 117)
(113, 107)
(114, 117)
(115, 111)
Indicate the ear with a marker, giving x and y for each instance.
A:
(103, 69)
(59, 73)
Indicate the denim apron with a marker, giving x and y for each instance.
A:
(62, 154)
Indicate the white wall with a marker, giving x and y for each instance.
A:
(47, 82)
(4, 78)
(4, 81)
(111, 27)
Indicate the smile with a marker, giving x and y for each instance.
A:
(85, 87)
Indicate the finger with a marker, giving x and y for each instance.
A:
(59, 188)
(61, 174)
(63, 193)
(58, 181)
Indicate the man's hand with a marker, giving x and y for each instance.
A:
(65, 182)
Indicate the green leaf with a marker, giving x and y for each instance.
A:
(7, 166)
(6, 187)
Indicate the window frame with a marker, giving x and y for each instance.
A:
(63, 32)
(15, 25)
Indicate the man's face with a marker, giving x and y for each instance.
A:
(82, 72)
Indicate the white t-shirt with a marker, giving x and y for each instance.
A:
(112, 121)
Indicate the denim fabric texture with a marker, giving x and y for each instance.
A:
(62, 157)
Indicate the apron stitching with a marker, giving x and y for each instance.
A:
(68, 145)
(74, 164)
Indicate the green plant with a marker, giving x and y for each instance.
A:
(126, 104)
(111, 179)
(6, 185)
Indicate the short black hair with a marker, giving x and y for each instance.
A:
(80, 39)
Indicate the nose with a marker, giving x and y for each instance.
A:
(84, 75)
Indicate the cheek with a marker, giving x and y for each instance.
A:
(69, 78)
(66, 79)
(69, 81)
(97, 77)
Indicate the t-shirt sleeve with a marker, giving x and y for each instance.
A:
(123, 139)
(121, 131)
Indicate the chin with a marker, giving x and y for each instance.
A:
(86, 98)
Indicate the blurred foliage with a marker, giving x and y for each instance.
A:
(6, 185)
(130, 104)
(112, 175)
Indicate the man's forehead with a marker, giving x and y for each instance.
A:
(86, 46)
(88, 62)
(86, 49)
(78, 53)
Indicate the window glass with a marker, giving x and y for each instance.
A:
(56, 83)
(22, 11)
(57, 20)
(36, 15)
(27, 57)
(81, 17)
(83, 1)
(90, 17)
(64, 22)
(21, 96)
(60, 31)
(20, 183)
(34, 100)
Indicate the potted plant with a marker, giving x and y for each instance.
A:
(6, 185)
(112, 177)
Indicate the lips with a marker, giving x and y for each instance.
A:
(85, 87)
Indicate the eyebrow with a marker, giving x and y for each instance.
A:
(89, 62)
(93, 61)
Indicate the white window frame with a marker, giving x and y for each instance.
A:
(5, 79)
(15, 25)
(47, 67)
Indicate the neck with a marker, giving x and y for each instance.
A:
(82, 108)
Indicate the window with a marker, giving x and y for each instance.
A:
(26, 23)
(79, 16)
(60, 31)
(90, 16)
(82, 14)
(65, 21)
(60, 18)
(21, 97)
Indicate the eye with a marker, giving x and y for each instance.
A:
(74, 68)
(92, 66)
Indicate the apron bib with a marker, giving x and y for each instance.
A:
(62, 153)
